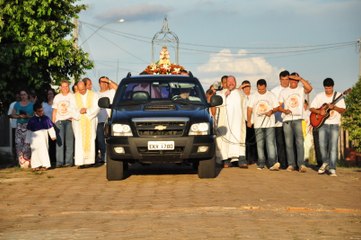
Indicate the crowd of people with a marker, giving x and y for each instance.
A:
(268, 127)
(272, 128)
(68, 126)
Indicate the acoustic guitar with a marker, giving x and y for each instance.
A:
(317, 120)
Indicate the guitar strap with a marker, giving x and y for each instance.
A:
(334, 96)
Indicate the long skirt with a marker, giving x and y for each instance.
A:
(23, 150)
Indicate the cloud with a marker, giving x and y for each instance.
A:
(240, 65)
(141, 12)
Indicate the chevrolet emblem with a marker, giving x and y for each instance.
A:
(160, 127)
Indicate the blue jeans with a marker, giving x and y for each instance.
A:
(267, 134)
(328, 140)
(65, 143)
(101, 141)
(294, 136)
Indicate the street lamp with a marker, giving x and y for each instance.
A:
(100, 27)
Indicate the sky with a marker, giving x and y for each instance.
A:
(248, 39)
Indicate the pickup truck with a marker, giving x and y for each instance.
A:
(159, 119)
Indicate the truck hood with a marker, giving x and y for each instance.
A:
(195, 112)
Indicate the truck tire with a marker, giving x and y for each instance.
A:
(207, 168)
(115, 169)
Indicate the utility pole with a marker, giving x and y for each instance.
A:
(359, 61)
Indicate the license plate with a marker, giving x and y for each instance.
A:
(160, 145)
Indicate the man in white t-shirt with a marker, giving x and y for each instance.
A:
(291, 101)
(107, 89)
(63, 108)
(261, 106)
(329, 131)
(280, 138)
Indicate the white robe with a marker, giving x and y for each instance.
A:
(39, 145)
(231, 127)
(85, 153)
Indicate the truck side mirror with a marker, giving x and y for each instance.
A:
(216, 101)
(104, 102)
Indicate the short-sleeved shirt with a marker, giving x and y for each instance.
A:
(64, 104)
(28, 109)
(260, 104)
(293, 99)
(104, 113)
(48, 109)
(278, 115)
(321, 98)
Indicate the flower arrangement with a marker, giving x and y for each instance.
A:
(156, 68)
(164, 66)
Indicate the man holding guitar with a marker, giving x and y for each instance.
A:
(326, 109)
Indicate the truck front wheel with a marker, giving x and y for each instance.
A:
(116, 170)
(207, 168)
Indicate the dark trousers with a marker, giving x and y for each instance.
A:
(52, 151)
(316, 143)
(251, 145)
(100, 143)
(281, 147)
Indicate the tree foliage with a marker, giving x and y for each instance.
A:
(36, 44)
(351, 119)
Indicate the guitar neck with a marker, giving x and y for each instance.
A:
(337, 99)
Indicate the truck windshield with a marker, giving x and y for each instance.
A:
(173, 90)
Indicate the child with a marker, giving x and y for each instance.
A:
(39, 127)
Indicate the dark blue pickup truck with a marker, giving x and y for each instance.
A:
(160, 119)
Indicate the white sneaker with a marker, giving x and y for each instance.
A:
(275, 167)
(333, 173)
(323, 168)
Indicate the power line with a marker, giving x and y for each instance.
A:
(291, 49)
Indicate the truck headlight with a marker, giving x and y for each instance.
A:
(121, 130)
(199, 129)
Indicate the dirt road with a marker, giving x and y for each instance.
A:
(173, 203)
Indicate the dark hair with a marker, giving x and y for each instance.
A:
(52, 90)
(73, 87)
(209, 92)
(37, 105)
(328, 82)
(103, 77)
(24, 90)
(86, 80)
(294, 74)
(246, 81)
(224, 77)
(261, 82)
(284, 73)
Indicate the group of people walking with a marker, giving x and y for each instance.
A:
(71, 123)
(268, 126)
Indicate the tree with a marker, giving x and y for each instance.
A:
(36, 45)
(351, 119)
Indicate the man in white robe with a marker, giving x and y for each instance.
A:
(85, 125)
(231, 127)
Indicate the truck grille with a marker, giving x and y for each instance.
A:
(160, 127)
